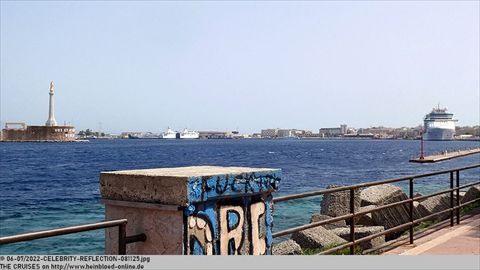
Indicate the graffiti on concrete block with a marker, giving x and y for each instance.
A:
(210, 187)
(233, 229)
(230, 214)
(200, 236)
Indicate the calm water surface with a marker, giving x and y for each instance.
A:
(49, 185)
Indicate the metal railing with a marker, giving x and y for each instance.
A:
(123, 239)
(454, 208)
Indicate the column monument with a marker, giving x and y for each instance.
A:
(51, 118)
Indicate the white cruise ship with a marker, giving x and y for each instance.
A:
(439, 125)
(189, 134)
(169, 134)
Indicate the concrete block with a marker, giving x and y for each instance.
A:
(367, 219)
(361, 232)
(201, 210)
(472, 194)
(433, 205)
(333, 225)
(288, 247)
(317, 237)
(392, 216)
(338, 203)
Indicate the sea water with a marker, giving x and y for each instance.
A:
(52, 185)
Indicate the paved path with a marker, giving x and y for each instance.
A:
(463, 239)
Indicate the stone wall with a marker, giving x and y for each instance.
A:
(40, 133)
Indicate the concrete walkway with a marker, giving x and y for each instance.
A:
(463, 239)
(446, 156)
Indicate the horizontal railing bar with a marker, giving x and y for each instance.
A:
(444, 191)
(136, 238)
(434, 194)
(332, 190)
(446, 211)
(310, 225)
(329, 251)
(327, 221)
(60, 231)
(330, 220)
(360, 240)
(376, 183)
(383, 207)
(468, 185)
(405, 225)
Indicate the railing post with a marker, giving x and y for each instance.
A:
(458, 196)
(352, 221)
(122, 239)
(411, 209)
(451, 199)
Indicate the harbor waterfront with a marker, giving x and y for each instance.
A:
(55, 185)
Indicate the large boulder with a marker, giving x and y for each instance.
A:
(361, 232)
(378, 195)
(333, 225)
(418, 194)
(392, 216)
(472, 194)
(433, 205)
(338, 203)
(317, 237)
(367, 219)
(288, 247)
(462, 195)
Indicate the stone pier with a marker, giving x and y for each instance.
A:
(201, 210)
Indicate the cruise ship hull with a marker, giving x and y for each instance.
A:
(438, 134)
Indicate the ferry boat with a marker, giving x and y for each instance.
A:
(169, 134)
(439, 125)
(186, 134)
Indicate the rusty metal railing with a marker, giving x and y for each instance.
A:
(123, 239)
(454, 208)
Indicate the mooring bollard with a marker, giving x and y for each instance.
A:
(201, 210)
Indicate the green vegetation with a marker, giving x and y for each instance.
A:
(469, 208)
(423, 225)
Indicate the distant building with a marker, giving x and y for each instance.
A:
(214, 135)
(50, 132)
(38, 133)
(269, 133)
(256, 135)
(333, 132)
(131, 135)
(285, 133)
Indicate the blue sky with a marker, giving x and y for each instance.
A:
(144, 66)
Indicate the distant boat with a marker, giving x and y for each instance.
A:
(169, 134)
(132, 136)
(439, 125)
(189, 134)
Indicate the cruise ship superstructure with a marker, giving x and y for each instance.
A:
(186, 134)
(169, 134)
(439, 125)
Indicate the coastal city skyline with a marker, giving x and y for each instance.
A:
(249, 66)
